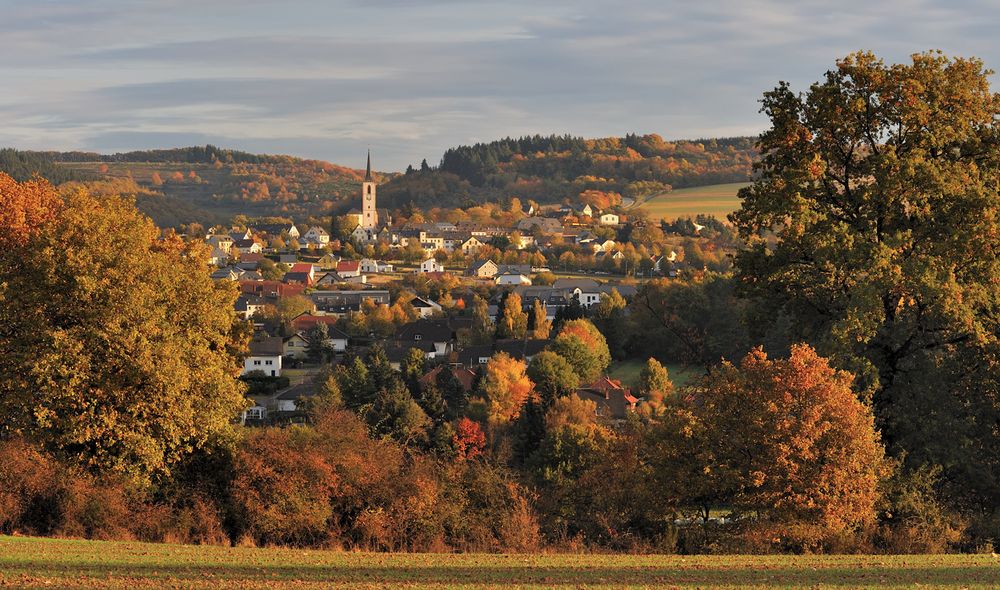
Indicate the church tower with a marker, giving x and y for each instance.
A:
(369, 214)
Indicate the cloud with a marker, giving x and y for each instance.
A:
(328, 79)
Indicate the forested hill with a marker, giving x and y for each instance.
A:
(559, 168)
(207, 184)
(204, 184)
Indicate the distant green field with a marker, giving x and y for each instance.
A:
(714, 199)
(628, 372)
(50, 563)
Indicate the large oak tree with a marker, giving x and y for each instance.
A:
(873, 231)
(119, 351)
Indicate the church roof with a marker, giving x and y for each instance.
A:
(368, 169)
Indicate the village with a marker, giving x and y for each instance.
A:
(297, 285)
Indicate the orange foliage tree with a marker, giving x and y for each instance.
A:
(24, 208)
(469, 439)
(506, 387)
(787, 440)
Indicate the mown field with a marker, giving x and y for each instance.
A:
(714, 199)
(50, 563)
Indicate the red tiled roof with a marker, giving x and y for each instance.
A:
(271, 288)
(306, 321)
(251, 257)
(348, 265)
(464, 376)
(301, 267)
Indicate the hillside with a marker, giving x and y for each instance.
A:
(571, 169)
(713, 199)
(211, 185)
(198, 184)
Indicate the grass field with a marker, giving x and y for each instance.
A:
(50, 563)
(628, 372)
(715, 199)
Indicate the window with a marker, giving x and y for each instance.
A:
(268, 363)
(418, 336)
(256, 363)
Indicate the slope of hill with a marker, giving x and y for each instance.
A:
(211, 185)
(571, 169)
(713, 199)
(200, 184)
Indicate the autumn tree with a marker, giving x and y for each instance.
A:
(874, 227)
(698, 322)
(785, 441)
(469, 440)
(584, 347)
(505, 387)
(119, 349)
(482, 325)
(554, 376)
(610, 318)
(654, 385)
(513, 321)
(541, 326)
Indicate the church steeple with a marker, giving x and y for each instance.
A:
(369, 214)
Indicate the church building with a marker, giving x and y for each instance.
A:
(367, 221)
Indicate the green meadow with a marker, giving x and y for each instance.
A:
(56, 563)
(714, 199)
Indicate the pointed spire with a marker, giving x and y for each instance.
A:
(368, 171)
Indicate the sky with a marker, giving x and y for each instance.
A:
(410, 78)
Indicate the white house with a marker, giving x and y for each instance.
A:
(383, 266)
(348, 268)
(248, 246)
(317, 235)
(247, 305)
(265, 356)
(431, 265)
(609, 219)
(512, 279)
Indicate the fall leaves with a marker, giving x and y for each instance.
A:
(24, 209)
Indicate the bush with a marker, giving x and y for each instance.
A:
(914, 519)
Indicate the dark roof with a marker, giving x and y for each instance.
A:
(396, 351)
(267, 346)
(421, 302)
(523, 269)
(432, 330)
(582, 284)
(470, 355)
(521, 349)
(243, 301)
(368, 168)
(296, 277)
